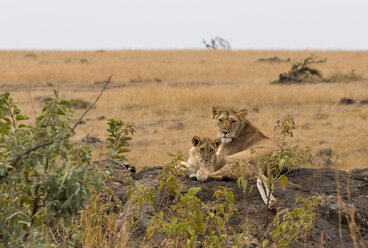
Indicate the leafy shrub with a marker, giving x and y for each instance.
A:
(44, 178)
(290, 225)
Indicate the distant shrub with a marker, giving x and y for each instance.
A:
(302, 71)
(341, 77)
(79, 103)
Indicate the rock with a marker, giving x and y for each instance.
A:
(153, 123)
(144, 142)
(30, 55)
(43, 99)
(324, 162)
(83, 61)
(255, 109)
(101, 118)
(178, 125)
(365, 101)
(91, 140)
(324, 157)
(285, 78)
(347, 101)
(305, 126)
(320, 116)
(303, 182)
(324, 152)
(273, 60)
(134, 107)
(119, 167)
(81, 122)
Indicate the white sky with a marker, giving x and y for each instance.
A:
(174, 24)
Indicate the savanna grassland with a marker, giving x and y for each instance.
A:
(168, 95)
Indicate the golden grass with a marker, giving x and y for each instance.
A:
(158, 89)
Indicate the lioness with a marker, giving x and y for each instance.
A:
(203, 159)
(242, 142)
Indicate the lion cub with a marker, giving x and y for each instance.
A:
(202, 159)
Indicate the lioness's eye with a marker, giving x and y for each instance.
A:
(202, 150)
(220, 120)
(211, 150)
(233, 121)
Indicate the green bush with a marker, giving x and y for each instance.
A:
(44, 178)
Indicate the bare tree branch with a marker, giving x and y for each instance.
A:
(217, 42)
(93, 104)
(15, 161)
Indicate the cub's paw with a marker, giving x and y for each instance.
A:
(215, 176)
(193, 176)
(182, 166)
(202, 175)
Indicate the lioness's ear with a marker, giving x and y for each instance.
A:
(196, 140)
(242, 113)
(216, 110)
(217, 143)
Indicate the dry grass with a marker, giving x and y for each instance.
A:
(157, 90)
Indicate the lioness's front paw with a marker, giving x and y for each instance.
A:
(202, 175)
(272, 204)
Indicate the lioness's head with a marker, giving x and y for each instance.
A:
(228, 123)
(205, 149)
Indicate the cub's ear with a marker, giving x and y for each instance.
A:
(217, 143)
(242, 113)
(196, 140)
(216, 110)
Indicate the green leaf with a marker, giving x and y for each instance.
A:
(21, 117)
(265, 243)
(283, 181)
(281, 163)
(64, 102)
(230, 197)
(193, 191)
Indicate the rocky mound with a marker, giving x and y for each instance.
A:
(304, 182)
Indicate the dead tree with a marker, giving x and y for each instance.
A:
(217, 43)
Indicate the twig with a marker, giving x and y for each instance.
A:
(32, 105)
(93, 104)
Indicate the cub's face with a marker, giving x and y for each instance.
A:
(228, 123)
(205, 149)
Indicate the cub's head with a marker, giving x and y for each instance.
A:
(205, 149)
(228, 123)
